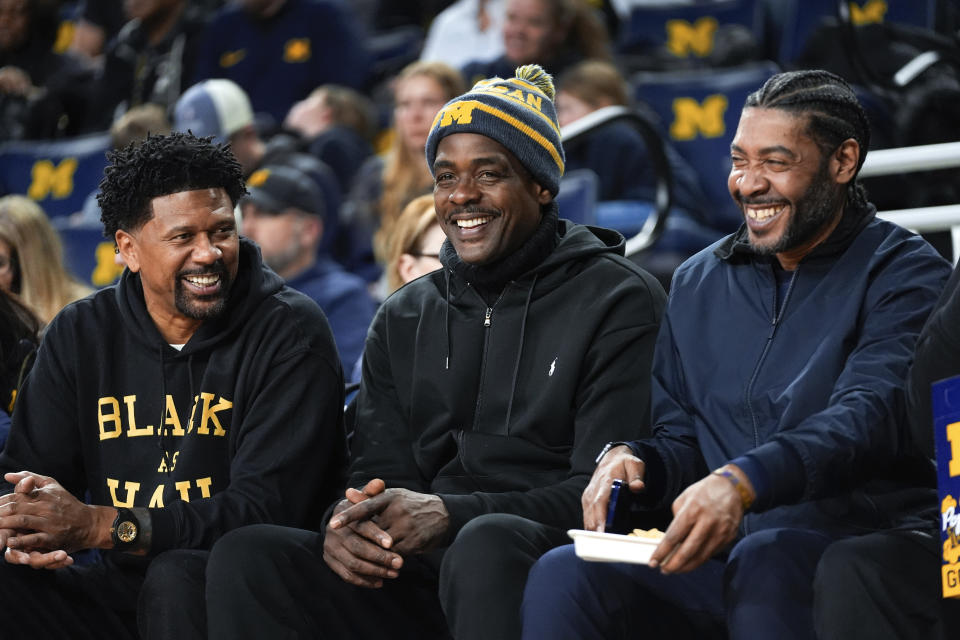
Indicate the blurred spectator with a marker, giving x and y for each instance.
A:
(385, 184)
(413, 249)
(284, 214)
(552, 33)
(151, 59)
(616, 151)
(98, 21)
(133, 126)
(336, 124)
(221, 108)
(41, 92)
(19, 330)
(466, 31)
(279, 50)
(31, 259)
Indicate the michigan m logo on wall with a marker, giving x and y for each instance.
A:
(692, 118)
(698, 38)
(54, 180)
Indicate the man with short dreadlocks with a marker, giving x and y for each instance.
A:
(778, 395)
(197, 395)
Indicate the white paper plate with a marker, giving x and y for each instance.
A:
(612, 547)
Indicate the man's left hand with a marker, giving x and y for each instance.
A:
(48, 520)
(415, 521)
(705, 519)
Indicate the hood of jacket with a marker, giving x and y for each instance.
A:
(253, 284)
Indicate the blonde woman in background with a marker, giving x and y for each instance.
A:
(414, 245)
(384, 184)
(31, 259)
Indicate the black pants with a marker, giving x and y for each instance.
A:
(883, 585)
(105, 600)
(267, 581)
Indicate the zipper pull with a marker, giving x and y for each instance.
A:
(486, 318)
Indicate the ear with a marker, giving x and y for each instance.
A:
(843, 164)
(127, 244)
(311, 231)
(543, 195)
(405, 266)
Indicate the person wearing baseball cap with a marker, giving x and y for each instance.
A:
(284, 214)
(488, 386)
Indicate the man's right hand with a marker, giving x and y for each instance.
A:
(619, 463)
(359, 552)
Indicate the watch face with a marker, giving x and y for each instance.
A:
(127, 531)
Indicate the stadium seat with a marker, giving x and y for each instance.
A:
(803, 17)
(58, 175)
(699, 111)
(687, 36)
(577, 198)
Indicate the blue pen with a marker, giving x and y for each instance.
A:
(612, 505)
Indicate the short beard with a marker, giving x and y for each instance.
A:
(811, 213)
(187, 304)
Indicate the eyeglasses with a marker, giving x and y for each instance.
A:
(435, 256)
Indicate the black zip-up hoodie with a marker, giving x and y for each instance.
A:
(502, 406)
(251, 409)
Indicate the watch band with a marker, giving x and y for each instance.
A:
(131, 530)
(607, 447)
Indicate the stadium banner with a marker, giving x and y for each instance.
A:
(946, 422)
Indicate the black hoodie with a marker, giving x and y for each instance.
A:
(503, 408)
(253, 410)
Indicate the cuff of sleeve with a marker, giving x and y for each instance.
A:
(461, 509)
(654, 474)
(164, 531)
(777, 475)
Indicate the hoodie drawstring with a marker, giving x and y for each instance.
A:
(516, 365)
(446, 321)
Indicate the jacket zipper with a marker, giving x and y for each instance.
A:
(487, 323)
(774, 323)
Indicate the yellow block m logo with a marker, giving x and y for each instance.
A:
(870, 13)
(698, 38)
(459, 112)
(47, 178)
(691, 117)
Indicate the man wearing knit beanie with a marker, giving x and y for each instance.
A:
(488, 387)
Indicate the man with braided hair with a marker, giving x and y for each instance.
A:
(778, 395)
(197, 395)
(487, 389)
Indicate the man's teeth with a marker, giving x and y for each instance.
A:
(472, 222)
(763, 214)
(203, 281)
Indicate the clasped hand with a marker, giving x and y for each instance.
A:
(371, 530)
(41, 523)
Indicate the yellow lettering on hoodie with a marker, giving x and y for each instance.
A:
(132, 430)
(209, 414)
(111, 418)
(156, 500)
(130, 487)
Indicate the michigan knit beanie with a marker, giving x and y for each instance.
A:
(518, 113)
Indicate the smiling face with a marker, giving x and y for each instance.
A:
(487, 204)
(791, 194)
(187, 255)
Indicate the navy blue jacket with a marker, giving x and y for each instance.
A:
(344, 300)
(281, 59)
(808, 401)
